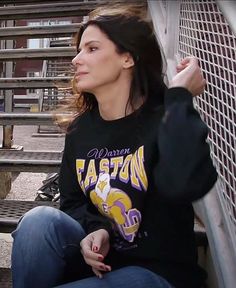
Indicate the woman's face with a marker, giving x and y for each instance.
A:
(97, 63)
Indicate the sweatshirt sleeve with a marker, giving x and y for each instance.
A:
(184, 172)
(72, 199)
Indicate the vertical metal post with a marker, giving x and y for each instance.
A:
(6, 177)
(173, 15)
(166, 25)
(8, 96)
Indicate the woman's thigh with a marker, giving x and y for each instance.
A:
(127, 277)
(47, 242)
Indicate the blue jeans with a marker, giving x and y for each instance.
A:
(46, 254)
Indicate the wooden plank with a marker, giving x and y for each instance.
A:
(7, 139)
(57, 63)
(27, 118)
(29, 2)
(60, 67)
(38, 31)
(5, 184)
(44, 53)
(39, 11)
(61, 43)
(59, 70)
(7, 2)
(27, 167)
(34, 82)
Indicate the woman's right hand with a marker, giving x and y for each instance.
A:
(189, 76)
(94, 248)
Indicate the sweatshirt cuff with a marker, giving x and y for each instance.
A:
(178, 94)
(105, 226)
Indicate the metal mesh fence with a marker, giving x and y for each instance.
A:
(205, 33)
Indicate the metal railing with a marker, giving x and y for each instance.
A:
(210, 38)
(206, 29)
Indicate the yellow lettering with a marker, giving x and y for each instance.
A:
(91, 176)
(104, 166)
(138, 174)
(79, 169)
(124, 171)
(116, 162)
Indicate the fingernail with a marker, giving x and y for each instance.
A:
(95, 248)
(100, 258)
(102, 267)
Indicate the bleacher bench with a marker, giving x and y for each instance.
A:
(12, 210)
(30, 161)
(24, 161)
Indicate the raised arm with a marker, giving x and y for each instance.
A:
(184, 172)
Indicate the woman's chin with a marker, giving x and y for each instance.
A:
(82, 88)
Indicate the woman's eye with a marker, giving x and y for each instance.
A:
(92, 49)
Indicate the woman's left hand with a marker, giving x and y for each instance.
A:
(189, 76)
(94, 248)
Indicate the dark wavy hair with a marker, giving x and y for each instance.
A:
(127, 27)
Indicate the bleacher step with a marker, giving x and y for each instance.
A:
(12, 210)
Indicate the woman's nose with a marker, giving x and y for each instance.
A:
(76, 60)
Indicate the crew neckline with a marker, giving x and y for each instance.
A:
(95, 112)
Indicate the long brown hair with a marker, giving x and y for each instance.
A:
(128, 28)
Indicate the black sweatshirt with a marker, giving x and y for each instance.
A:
(136, 177)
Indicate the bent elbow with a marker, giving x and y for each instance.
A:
(187, 187)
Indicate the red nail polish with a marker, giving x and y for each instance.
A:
(95, 248)
(100, 258)
(101, 267)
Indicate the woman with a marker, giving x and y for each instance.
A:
(135, 159)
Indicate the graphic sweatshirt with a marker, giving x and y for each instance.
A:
(136, 177)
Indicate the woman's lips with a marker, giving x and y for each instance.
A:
(78, 74)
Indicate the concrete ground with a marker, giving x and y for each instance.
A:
(25, 185)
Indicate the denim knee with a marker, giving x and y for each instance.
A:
(38, 217)
(46, 221)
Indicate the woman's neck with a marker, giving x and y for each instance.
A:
(113, 112)
(113, 100)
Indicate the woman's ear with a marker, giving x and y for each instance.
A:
(128, 60)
